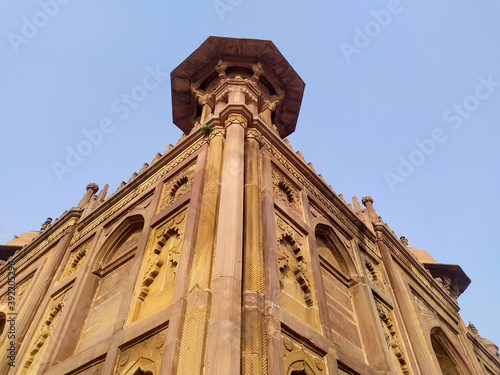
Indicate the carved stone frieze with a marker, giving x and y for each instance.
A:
(162, 264)
(142, 187)
(46, 328)
(415, 271)
(392, 336)
(372, 271)
(292, 261)
(324, 200)
(76, 259)
(299, 358)
(236, 118)
(19, 291)
(286, 192)
(40, 246)
(177, 186)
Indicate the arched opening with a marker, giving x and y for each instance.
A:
(336, 270)
(3, 320)
(330, 254)
(113, 266)
(447, 363)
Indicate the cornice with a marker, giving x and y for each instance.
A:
(415, 268)
(314, 183)
(186, 146)
(31, 250)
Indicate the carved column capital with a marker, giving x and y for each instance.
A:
(236, 118)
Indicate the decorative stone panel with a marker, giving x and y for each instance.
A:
(177, 186)
(295, 278)
(76, 259)
(299, 358)
(44, 333)
(292, 264)
(425, 311)
(155, 289)
(143, 357)
(19, 291)
(392, 338)
(372, 271)
(286, 192)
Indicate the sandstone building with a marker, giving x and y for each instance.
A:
(229, 254)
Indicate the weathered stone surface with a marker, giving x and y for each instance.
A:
(229, 254)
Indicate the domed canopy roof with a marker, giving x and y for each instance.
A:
(22, 239)
(242, 53)
(422, 255)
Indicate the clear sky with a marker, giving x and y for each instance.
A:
(401, 103)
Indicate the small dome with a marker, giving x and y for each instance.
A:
(422, 255)
(22, 239)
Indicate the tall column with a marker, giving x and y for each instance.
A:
(253, 337)
(192, 349)
(224, 329)
(420, 350)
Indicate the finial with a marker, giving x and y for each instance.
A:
(366, 200)
(46, 224)
(93, 186)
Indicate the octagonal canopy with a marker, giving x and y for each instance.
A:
(277, 74)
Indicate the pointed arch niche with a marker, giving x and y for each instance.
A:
(112, 268)
(155, 287)
(446, 355)
(337, 270)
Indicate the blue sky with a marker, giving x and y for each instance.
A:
(401, 103)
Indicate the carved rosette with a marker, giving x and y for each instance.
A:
(392, 336)
(298, 357)
(286, 192)
(46, 328)
(76, 259)
(291, 259)
(177, 186)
